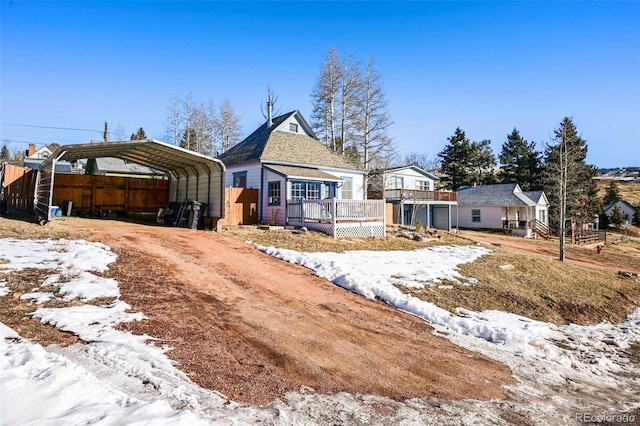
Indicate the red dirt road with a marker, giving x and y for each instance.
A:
(253, 327)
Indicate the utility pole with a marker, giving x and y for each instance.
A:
(106, 131)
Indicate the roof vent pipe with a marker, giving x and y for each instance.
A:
(269, 114)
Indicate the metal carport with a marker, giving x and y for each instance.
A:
(192, 176)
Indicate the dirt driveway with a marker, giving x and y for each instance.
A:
(253, 327)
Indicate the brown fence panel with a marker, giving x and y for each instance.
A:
(19, 186)
(241, 207)
(92, 194)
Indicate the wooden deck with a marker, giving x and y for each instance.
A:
(339, 218)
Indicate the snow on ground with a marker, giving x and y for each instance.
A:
(118, 378)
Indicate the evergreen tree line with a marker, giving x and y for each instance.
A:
(561, 171)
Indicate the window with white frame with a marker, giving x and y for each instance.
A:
(297, 191)
(313, 191)
(347, 188)
(396, 182)
(475, 215)
(422, 185)
(274, 193)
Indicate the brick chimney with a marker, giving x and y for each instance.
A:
(32, 149)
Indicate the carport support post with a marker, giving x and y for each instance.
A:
(53, 175)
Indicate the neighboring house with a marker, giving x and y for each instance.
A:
(34, 157)
(109, 166)
(503, 206)
(627, 210)
(411, 191)
(287, 163)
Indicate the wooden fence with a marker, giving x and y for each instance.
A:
(241, 207)
(19, 186)
(94, 194)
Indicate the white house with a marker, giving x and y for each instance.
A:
(411, 191)
(626, 210)
(503, 206)
(287, 163)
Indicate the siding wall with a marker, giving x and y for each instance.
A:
(356, 178)
(274, 215)
(490, 217)
(410, 177)
(253, 174)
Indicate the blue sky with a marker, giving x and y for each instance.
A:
(486, 67)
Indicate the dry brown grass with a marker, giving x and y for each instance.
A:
(629, 191)
(318, 242)
(541, 288)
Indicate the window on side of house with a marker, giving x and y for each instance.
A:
(422, 185)
(396, 182)
(240, 179)
(475, 215)
(313, 191)
(297, 191)
(274, 193)
(347, 188)
(293, 127)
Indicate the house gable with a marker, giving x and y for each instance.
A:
(410, 177)
(281, 144)
(627, 210)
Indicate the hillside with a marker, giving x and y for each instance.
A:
(629, 190)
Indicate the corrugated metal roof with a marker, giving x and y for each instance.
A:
(170, 159)
(193, 176)
(303, 173)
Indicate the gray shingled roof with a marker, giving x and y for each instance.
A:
(303, 172)
(534, 195)
(34, 163)
(508, 194)
(110, 164)
(272, 145)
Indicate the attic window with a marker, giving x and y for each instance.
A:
(293, 127)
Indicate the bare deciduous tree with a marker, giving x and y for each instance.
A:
(373, 120)
(325, 98)
(201, 127)
(174, 120)
(228, 127)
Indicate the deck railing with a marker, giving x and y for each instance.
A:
(420, 195)
(335, 210)
(339, 217)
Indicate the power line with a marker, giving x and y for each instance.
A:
(53, 127)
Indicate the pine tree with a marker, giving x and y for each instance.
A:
(139, 135)
(521, 163)
(636, 216)
(612, 193)
(568, 180)
(4, 154)
(455, 160)
(616, 218)
(481, 163)
(188, 140)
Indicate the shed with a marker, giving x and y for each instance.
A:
(192, 176)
